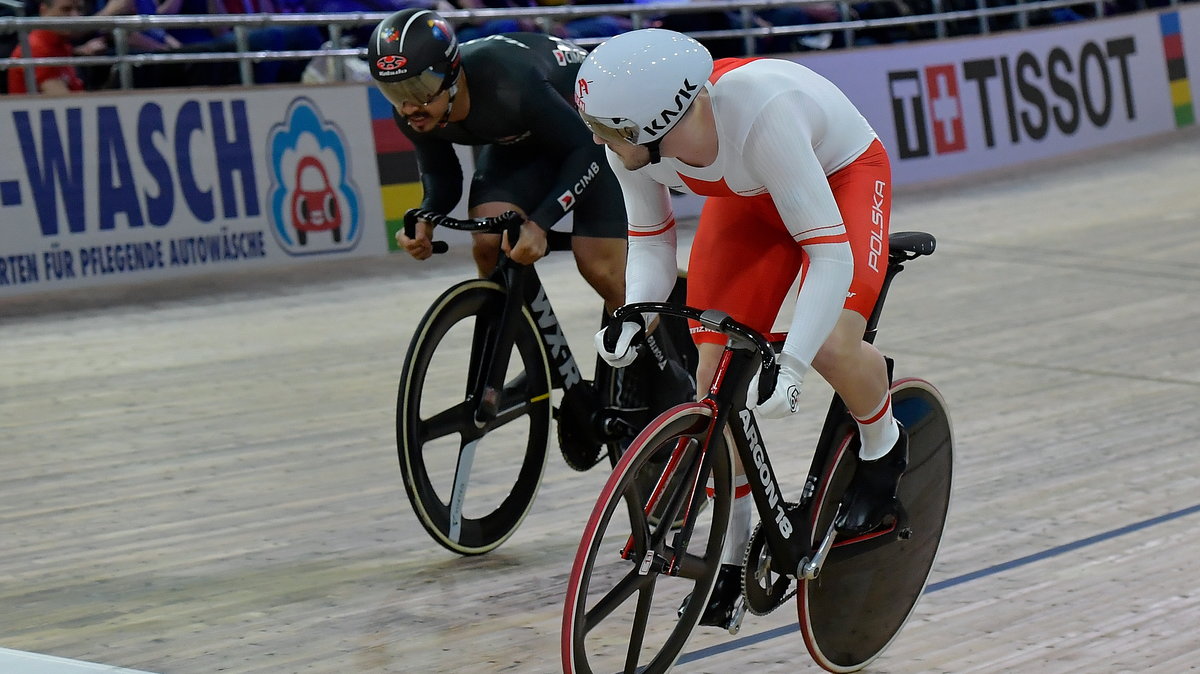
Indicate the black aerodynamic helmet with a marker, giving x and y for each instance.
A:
(413, 56)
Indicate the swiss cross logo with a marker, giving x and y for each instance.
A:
(932, 91)
(945, 109)
(567, 200)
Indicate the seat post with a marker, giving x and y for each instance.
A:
(893, 268)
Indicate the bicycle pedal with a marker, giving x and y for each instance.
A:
(739, 613)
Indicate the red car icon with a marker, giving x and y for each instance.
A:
(314, 204)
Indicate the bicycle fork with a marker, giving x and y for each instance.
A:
(699, 467)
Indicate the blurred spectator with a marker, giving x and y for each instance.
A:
(193, 8)
(8, 40)
(694, 22)
(605, 25)
(153, 39)
(138, 42)
(358, 35)
(271, 38)
(799, 15)
(49, 43)
(327, 68)
(482, 28)
(888, 9)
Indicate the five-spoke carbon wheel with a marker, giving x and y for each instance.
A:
(630, 579)
(471, 484)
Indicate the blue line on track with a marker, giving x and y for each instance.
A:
(959, 580)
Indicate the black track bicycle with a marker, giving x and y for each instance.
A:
(631, 597)
(474, 407)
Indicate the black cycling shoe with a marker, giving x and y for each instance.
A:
(725, 607)
(871, 496)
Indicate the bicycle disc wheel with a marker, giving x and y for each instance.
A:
(869, 587)
(622, 612)
(471, 486)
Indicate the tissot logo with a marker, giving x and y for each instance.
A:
(944, 108)
(1015, 99)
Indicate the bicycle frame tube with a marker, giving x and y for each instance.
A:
(523, 288)
(895, 266)
(703, 468)
(783, 529)
(563, 371)
(494, 364)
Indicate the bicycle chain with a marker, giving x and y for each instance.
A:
(758, 599)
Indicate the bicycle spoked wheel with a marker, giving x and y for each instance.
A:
(869, 587)
(622, 609)
(471, 487)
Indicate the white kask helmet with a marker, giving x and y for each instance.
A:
(637, 85)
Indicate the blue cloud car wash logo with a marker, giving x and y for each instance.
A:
(314, 205)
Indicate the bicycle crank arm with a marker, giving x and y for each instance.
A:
(613, 428)
(489, 406)
(739, 614)
(811, 568)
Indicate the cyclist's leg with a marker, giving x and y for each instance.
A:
(485, 248)
(869, 586)
(767, 262)
(858, 372)
(855, 369)
(743, 262)
(507, 178)
(598, 240)
(601, 262)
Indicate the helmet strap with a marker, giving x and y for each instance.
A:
(655, 155)
(453, 89)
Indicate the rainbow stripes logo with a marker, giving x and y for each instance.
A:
(1177, 79)
(399, 180)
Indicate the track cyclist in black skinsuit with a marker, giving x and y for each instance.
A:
(513, 95)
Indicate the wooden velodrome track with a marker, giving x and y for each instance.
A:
(202, 477)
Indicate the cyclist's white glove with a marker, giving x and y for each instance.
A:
(624, 351)
(784, 399)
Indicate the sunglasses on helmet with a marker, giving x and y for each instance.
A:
(612, 129)
(419, 90)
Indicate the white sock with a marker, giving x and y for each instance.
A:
(878, 431)
(738, 534)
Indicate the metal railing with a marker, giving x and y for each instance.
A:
(640, 15)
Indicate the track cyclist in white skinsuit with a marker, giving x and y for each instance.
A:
(798, 190)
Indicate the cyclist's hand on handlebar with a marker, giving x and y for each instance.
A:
(420, 246)
(531, 244)
(785, 398)
(624, 350)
